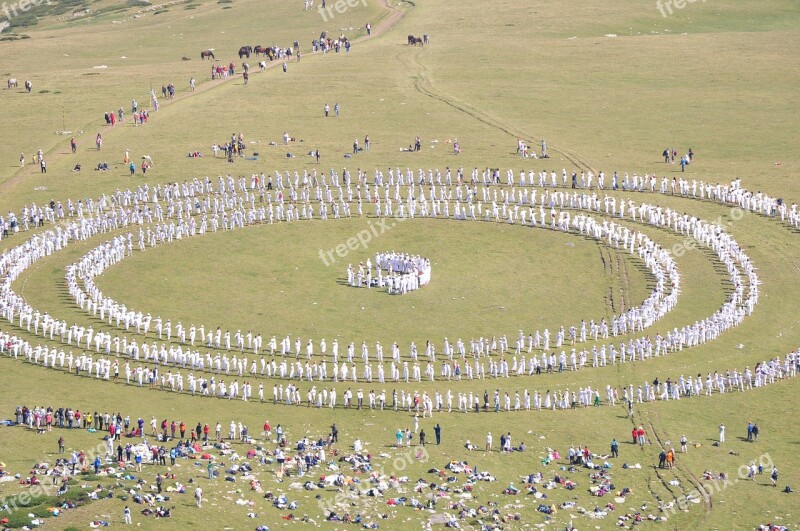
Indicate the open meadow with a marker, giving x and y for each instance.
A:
(145, 293)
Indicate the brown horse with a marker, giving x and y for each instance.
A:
(207, 53)
(258, 50)
(413, 41)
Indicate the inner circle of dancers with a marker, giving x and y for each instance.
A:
(397, 272)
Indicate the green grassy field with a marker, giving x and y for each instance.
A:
(285, 281)
(609, 86)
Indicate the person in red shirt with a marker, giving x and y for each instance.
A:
(206, 429)
(267, 430)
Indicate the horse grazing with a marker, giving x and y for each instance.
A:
(413, 41)
(28, 86)
(12, 83)
(245, 51)
(207, 53)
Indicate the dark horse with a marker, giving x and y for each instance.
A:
(245, 51)
(413, 41)
(258, 50)
(207, 53)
